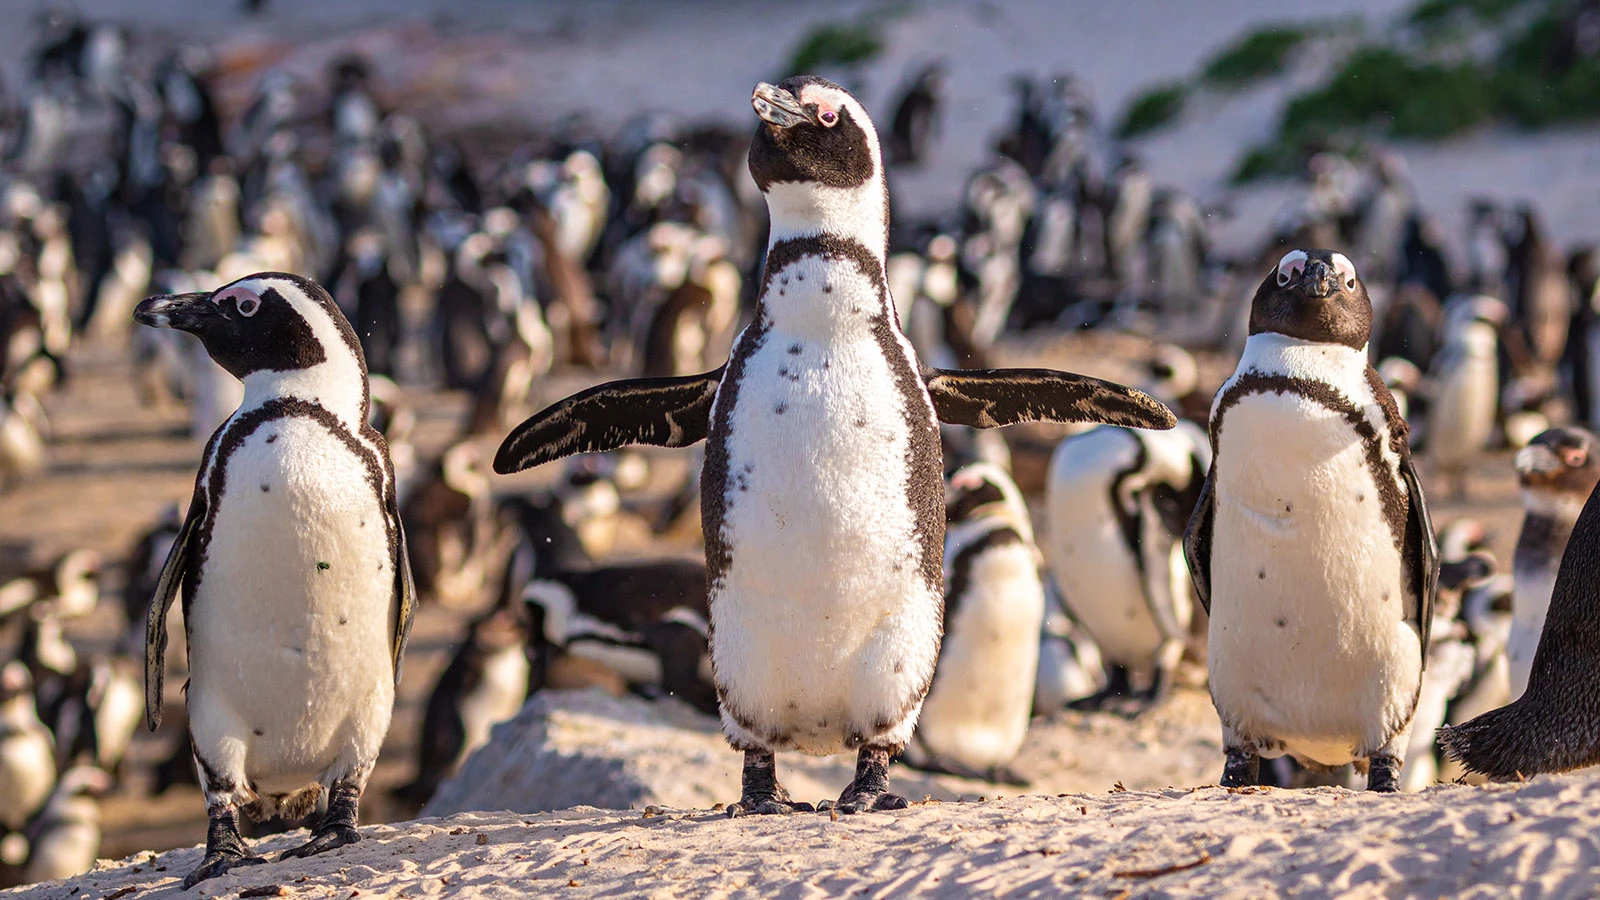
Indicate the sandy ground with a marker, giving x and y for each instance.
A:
(1537, 839)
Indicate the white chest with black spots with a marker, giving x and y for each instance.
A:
(1309, 643)
(825, 625)
(291, 628)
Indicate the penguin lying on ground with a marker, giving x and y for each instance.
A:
(1557, 472)
(1555, 725)
(822, 490)
(976, 714)
(296, 588)
(1118, 500)
(1311, 545)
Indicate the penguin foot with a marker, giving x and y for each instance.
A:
(869, 792)
(218, 863)
(762, 794)
(850, 804)
(325, 838)
(1242, 768)
(1383, 773)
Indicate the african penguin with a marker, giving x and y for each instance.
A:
(1070, 665)
(296, 588)
(976, 713)
(1117, 501)
(1466, 377)
(27, 758)
(1311, 545)
(64, 838)
(822, 494)
(1557, 472)
(1553, 726)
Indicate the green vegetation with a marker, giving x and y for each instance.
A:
(841, 44)
(1533, 77)
(1155, 108)
(1255, 56)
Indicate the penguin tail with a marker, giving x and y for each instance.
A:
(1520, 740)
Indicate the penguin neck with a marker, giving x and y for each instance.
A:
(338, 385)
(800, 209)
(1278, 354)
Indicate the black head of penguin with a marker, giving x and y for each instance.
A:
(970, 489)
(1313, 295)
(808, 133)
(1559, 460)
(250, 325)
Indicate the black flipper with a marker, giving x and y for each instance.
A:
(155, 626)
(664, 412)
(405, 591)
(1422, 553)
(1197, 544)
(989, 398)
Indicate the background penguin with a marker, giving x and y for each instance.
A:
(27, 758)
(1310, 459)
(294, 521)
(1555, 725)
(1117, 500)
(916, 117)
(1465, 374)
(64, 838)
(1070, 665)
(976, 713)
(1557, 472)
(822, 495)
(485, 683)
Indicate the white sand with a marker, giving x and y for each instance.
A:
(1538, 839)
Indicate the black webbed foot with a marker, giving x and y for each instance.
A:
(869, 792)
(1242, 769)
(761, 794)
(338, 825)
(1383, 773)
(225, 848)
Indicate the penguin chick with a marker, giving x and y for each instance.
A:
(822, 487)
(296, 586)
(1557, 472)
(976, 714)
(1311, 544)
(1117, 501)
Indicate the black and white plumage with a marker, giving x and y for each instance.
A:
(976, 713)
(1465, 373)
(916, 117)
(1311, 544)
(1557, 472)
(27, 757)
(292, 566)
(64, 839)
(822, 497)
(1117, 501)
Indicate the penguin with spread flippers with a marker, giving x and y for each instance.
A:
(822, 494)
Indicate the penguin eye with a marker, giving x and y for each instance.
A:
(249, 306)
(1346, 269)
(1283, 278)
(1290, 267)
(829, 118)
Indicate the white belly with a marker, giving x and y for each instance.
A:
(498, 697)
(1530, 603)
(1461, 418)
(977, 711)
(27, 770)
(825, 626)
(1099, 579)
(292, 678)
(1309, 645)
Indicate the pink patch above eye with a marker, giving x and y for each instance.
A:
(245, 300)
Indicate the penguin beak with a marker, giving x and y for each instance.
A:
(185, 312)
(1319, 279)
(777, 106)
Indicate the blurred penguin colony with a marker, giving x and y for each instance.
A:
(579, 255)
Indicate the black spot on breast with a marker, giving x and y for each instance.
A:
(900, 667)
(781, 408)
(748, 468)
(860, 423)
(827, 289)
(265, 489)
(1262, 574)
(1281, 623)
(343, 620)
(272, 438)
(257, 732)
(794, 349)
(783, 371)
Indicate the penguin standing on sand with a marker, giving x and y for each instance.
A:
(1311, 545)
(297, 592)
(976, 714)
(822, 494)
(1466, 377)
(1558, 472)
